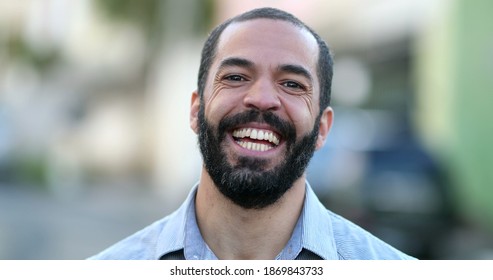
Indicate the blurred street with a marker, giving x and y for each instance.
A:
(35, 225)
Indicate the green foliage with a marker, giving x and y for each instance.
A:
(147, 13)
(203, 18)
(39, 59)
(144, 13)
(25, 170)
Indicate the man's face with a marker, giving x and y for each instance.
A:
(258, 119)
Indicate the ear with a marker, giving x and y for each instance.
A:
(324, 128)
(194, 112)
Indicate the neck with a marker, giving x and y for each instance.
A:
(233, 232)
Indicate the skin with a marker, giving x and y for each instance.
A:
(258, 65)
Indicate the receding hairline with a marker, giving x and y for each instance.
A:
(237, 21)
(302, 28)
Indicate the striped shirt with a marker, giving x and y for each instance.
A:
(318, 234)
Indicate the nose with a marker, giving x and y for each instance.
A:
(263, 96)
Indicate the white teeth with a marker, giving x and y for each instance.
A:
(260, 135)
(256, 134)
(254, 146)
(273, 139)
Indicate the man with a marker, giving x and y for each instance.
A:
(260, 111)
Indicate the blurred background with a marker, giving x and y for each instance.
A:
(95, 142)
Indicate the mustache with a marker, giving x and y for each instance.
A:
(284, 128)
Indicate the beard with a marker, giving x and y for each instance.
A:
(247, 183)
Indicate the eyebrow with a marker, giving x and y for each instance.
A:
(235, 61)
(296, 69)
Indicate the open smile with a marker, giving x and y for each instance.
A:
(255, 139)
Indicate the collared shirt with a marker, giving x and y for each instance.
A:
(318, 234)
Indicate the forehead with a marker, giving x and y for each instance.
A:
(268, 40)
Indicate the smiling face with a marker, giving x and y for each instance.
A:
(258, 119)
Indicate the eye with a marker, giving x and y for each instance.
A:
(234, 78)
(293, 85)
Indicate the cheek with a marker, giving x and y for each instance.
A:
(220, 104)
(301, 113)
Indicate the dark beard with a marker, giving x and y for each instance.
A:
(247, 184)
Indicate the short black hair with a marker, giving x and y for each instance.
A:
(325, 61)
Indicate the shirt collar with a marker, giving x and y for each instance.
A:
(313, 232)
(318, 234)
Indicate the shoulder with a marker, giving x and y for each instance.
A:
(354, 242)
(162, 236)
(150, 243)
(138, 246)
